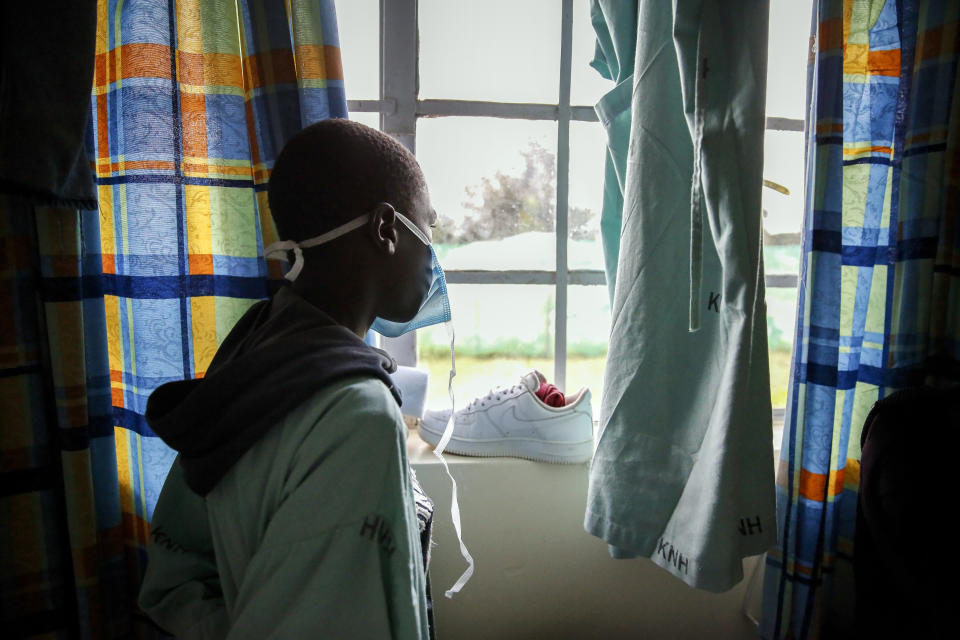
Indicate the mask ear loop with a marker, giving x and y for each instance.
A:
(335, 233)
(454, 503)
(278, 250)
(414, 229)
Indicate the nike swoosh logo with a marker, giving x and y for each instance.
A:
(513, 410)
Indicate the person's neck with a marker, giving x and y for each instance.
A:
(348, 304)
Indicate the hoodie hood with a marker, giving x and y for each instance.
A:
(281, 352)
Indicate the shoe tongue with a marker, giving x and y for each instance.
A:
(533, 380)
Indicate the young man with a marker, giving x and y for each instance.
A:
(289, 512)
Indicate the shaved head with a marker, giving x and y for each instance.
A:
(335, 170)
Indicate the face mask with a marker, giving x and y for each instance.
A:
(434, 310)
(436, 305)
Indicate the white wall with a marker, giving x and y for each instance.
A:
(540, 575)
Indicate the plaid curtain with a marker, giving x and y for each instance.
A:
(879, 299)
(192, 101)
(61, 546)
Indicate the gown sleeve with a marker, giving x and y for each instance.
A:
(340, 554)
(181, 588)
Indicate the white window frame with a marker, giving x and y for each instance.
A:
(399, 107)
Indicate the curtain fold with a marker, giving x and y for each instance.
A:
(62, 547)
(192, 100)
(879, 289)
(615, 24)
(43, 101)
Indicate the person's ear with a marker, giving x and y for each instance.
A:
(383, 227)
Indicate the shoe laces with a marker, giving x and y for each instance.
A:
(495, 394)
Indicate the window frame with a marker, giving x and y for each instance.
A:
(400, 107)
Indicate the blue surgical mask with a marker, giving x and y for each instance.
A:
(436, 304)
(434, 310)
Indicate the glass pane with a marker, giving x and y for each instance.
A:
(588, 335)
(587, 86)
(588, 149)
(781, 317)
(493, 184)
(359, 25)
(783, 166)
(496, 50)
(787, 53)
(782, 224)
(503, 332)
(368, 118)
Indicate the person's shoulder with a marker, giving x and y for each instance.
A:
(357, 401)
(370, 391)
(351, 419)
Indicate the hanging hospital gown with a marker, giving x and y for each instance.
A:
(683, 470)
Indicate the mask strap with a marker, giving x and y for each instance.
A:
(278, 250)
(333, 234)
(454, 503)
(414, 229)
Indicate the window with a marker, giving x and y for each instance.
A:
(505, 130)
(783, 165)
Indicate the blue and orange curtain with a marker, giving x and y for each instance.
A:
(879, 295)
(192, 101)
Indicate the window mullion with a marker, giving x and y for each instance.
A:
(518, 110)
(398, 89)
(784, 124)
(371, 106)
(563, 192)
(433, 108)
(398, 69)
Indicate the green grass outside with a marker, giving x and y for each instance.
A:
(779, 377)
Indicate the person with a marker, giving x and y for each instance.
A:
(289, 511)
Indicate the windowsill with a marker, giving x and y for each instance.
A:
(537, 567)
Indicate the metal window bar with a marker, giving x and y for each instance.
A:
(563, 196)
(577, 277)
(397, 106)
(514, 110)
(517, 111)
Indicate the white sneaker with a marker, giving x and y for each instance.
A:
(515, 422)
